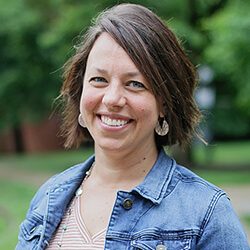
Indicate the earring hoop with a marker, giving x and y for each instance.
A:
(162, 129)
(81, 121)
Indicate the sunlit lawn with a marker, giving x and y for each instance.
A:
(15, 196)
(51, 162)
(223, 163)
(229, 154)
(14, 200)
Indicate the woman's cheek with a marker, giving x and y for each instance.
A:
(147, 110)
(88, 104)
(143, 110)
(88, 101)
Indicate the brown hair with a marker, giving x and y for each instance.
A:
(157, 54)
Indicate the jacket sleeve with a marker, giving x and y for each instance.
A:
(223, 230)
(41, 194)
(30, 229)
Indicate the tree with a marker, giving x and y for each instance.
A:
(228, 52)
(37, 37)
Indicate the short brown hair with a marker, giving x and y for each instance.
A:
(157, 54)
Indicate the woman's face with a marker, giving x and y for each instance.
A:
(118, 107)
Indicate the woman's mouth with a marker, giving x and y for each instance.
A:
(114, 122)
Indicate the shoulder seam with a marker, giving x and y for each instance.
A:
(210, 210)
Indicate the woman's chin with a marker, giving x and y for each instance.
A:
(110, 146)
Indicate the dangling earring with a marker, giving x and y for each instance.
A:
(162, 129)
(81, 121)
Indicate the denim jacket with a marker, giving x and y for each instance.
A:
(171, 209)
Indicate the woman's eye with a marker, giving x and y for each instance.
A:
(137, 85)
(98, 82)
(97, 79)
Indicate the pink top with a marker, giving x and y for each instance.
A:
(76, 236)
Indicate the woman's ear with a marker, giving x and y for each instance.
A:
(161, 114)
(161, 108)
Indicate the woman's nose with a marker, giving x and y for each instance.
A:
(114, 96)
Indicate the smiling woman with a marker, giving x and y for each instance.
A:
(117, 105)
(130, 87)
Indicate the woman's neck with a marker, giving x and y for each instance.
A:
(123, 169)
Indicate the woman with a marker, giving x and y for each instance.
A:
(130, 86)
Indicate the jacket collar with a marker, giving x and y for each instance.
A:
(73, 175)
(61, 192)
(153, 187)
(64, 186)
(156, 182)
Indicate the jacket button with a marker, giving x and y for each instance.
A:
(127, 204)
(161, 247)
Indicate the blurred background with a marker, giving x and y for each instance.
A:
(36, 39)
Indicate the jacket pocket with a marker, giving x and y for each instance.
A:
(155, 238)
(173, 244)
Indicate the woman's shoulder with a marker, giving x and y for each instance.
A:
(188, 176)
(184, 178)
(71, 176)
(191, 188)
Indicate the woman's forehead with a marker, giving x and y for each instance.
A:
(107, 52)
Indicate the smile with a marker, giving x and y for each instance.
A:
(113, 122)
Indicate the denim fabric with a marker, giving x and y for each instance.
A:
(171, 207)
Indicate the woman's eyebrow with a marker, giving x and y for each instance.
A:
(129, 73)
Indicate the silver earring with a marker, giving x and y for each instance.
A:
(162, 129)
(81, 121)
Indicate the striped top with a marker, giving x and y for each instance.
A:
(76, 236)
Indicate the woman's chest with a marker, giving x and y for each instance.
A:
(135, 223)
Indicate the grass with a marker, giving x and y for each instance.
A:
(223, 163)
(51, 162)
(230, 154)
(15, 196)
(222, 177)
(14, 201)
(246, 219)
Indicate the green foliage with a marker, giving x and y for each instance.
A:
(228, 52)
(35, 41)
(37, 37)
(27, 87)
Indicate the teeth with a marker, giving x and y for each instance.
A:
(113, 122)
